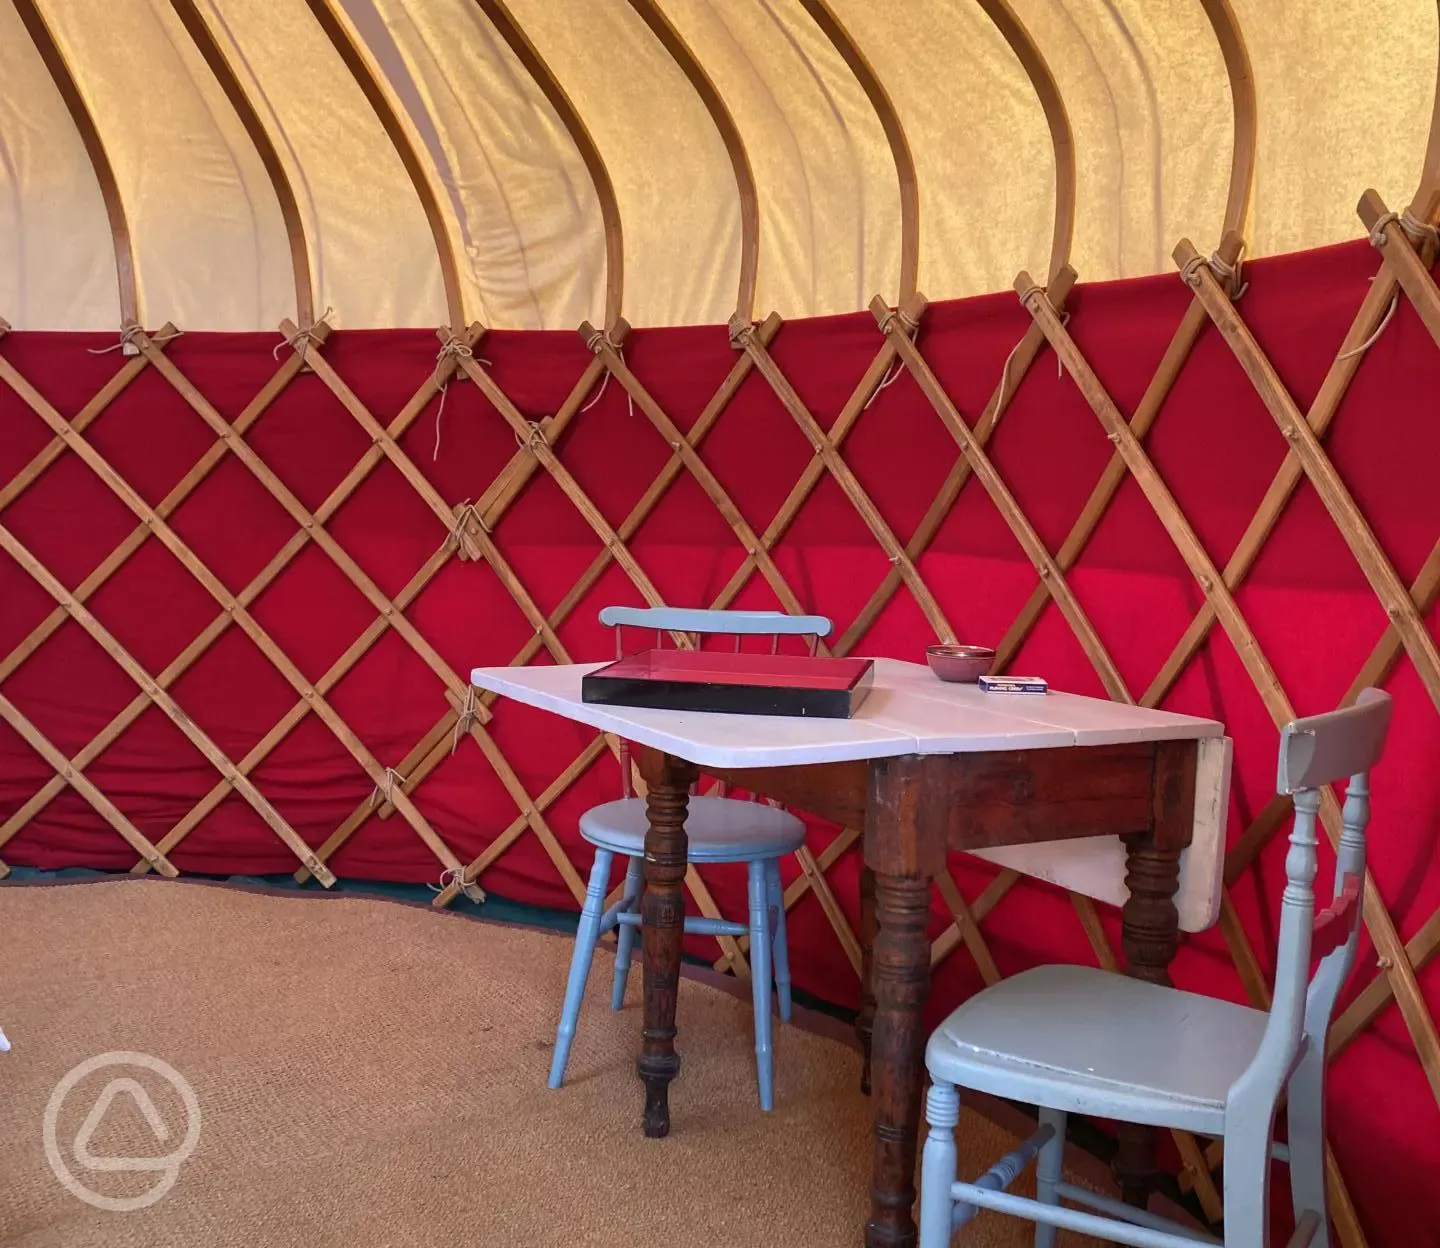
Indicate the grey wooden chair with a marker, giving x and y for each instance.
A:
(718, 829)
(1072, 1039)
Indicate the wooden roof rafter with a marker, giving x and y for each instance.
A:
(352, 52)
(824, 17)
(209, 47)
(1062, 135)
(1246, 118)
(536, 66)
(1425, 206)
(65, 83)
(680, 52)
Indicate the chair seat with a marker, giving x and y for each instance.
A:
(1087, 1041)
(720, 829)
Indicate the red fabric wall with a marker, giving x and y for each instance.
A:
(1214, 443)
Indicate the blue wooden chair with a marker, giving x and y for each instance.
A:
(719, 828)
(1072, 1039)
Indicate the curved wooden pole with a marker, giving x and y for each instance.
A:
(1426, 204)
(220, 66)
(79, 112)
(880, 101)
(1242, 96)
(1062, 138)
(335, 30)
(680, 52)
(527, 54)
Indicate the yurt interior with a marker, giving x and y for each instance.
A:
(719, 623)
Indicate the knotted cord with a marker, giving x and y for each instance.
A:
(601, 337)
(456, 349)
(304, 336)
(386, 788)
(468, 714)
(128, 332)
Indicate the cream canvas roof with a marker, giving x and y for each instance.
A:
(535, 163)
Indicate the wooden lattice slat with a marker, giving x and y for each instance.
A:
(311, 528)
(1217, 592)
(466, 532)
(648, 501)
(47, 628)
(77, 611)
(1012, 373)
(534, 442)
(1015, 368)
(859, 498)
(696, 466)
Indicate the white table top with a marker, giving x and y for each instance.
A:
(908, 711)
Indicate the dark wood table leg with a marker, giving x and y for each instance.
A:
(865, 1020)
(662, 935)
(1150, 928)
(904, 846)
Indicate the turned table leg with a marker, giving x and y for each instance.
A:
(904, 847)
(1150, 928)
(1149, 935)
(662, 934)
(902, 981)
(865, 1020)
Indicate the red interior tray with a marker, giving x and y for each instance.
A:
(781, 671)
(731, 683)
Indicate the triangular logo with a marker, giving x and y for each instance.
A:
(97, 1113)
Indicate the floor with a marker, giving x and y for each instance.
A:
(370, 1074)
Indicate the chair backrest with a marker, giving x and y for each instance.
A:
(1314, 752)
(680, 620)
(735, 624)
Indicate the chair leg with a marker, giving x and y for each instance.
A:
(781, 949)
(760, 981)
(937, 1166)
(1047, 1172)
(1247, 1183)
(587, 937)
(1305, 1118)
(634, 886)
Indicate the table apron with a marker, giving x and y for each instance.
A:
(986, 799)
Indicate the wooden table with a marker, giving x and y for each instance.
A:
(925, 768)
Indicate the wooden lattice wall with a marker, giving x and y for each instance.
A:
(465, 530)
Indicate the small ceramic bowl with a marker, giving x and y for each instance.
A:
(959, 664)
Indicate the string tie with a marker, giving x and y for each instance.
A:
(907, 322)
(386, 788)
(456, 876)
(1028, 298)
(1417, 231)
(742, 332)
(129, 331)
(468, 714)
(601, 338)
(1005, 378)
(892, 375)
(1379, 329)
(463, 516)
(304, 336)
(1226, 274)
(456, 349)
(535, 439)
